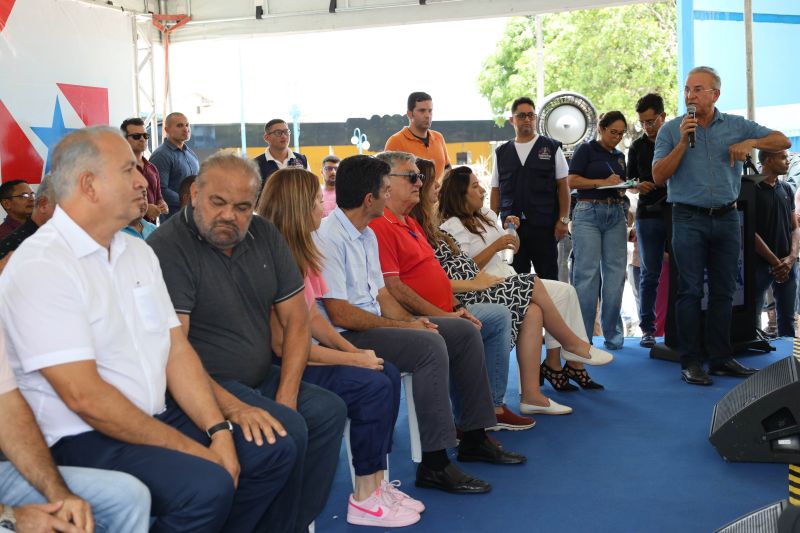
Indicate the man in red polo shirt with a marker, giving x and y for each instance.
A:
(418, 138)
(415, 278)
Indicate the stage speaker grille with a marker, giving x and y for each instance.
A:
(758, 419)
(764, 520)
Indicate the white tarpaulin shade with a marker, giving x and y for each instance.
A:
(212, 18)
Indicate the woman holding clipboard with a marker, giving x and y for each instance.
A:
(599, 231)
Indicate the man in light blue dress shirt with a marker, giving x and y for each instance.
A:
(700, 159)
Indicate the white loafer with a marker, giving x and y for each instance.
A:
(597, 357)
(554, 408)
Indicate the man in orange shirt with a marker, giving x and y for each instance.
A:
(418, 138)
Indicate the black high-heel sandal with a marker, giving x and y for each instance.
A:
(557, 379)
(581, 377)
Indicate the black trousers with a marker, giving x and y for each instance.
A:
(537, 245)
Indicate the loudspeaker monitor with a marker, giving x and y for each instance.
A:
(757, 421)
(764, 520)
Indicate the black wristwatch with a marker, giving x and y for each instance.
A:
(458, 306)
(226, 424)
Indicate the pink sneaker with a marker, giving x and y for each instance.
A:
(380, 510)
(392, 490)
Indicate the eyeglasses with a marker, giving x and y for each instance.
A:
(280, 133)
(616, 133)
(137, 136)
(26, 195)
(649, 123)
(695, 90)
(523, 116)
(329, 169)
(411, 176)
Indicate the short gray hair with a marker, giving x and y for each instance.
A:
(231, 162)
(45, 190)
(396, 158)
(77, 153)
(717, 83)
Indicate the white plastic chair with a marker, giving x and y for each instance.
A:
(413, 432)
(413, 424)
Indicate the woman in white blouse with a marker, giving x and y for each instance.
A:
(476, 230)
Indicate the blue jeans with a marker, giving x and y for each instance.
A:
(701, 242)
(784, 294)
(120, 502)
(496, 335)
(373, 401)
(599, 245)
(651, 234)
(316, 428)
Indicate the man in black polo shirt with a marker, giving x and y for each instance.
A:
(651, 228)
(529, 181)
(43, 208)
(777, 240)
(226, 271)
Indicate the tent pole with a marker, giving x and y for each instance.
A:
(748, 52)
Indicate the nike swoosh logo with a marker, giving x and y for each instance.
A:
(377, 514)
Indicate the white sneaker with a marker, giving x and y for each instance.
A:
(392, 490)
(380, 510)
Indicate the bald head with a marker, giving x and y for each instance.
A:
(77, 153)
(176, 126)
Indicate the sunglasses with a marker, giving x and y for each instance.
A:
(411, 176)
(329, 169)
(137, 136)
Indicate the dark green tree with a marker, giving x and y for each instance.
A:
(610, 55)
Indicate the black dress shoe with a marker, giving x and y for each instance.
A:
(489, 452)
(732, 367)
(451, 479)
(695, 375)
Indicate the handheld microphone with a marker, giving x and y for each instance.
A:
(691, 110)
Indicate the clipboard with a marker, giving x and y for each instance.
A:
(630, 184)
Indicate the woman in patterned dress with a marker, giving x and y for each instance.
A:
(475, 285)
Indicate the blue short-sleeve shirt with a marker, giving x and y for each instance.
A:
(592, 161)
(352, 266)
(704, 177)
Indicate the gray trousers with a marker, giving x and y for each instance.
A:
(450, 360)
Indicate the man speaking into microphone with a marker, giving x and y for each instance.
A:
(699, 157)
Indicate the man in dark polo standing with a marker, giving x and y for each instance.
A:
(699, 157)
(777, 240)
(529, 182)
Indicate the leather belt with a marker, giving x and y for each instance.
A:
(607, 201)
(710, 211)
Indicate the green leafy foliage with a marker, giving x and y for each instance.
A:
(612, 56)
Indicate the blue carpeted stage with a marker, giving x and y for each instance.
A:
(632, 458)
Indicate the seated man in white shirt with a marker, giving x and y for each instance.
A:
(96, 346)
(29, 479)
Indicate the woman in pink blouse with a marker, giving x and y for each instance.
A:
(292, 200)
